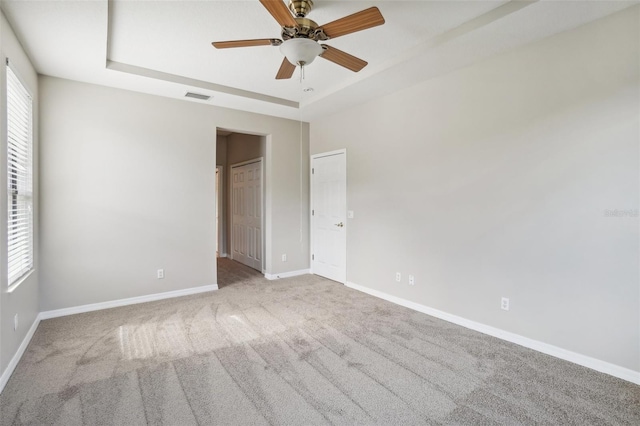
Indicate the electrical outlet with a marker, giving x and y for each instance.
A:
(504, 304)
(15, 322)
(160, 274)
(284, 257)
(412, 280)
(398, 276)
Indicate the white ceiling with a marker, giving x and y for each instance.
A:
(164, 47)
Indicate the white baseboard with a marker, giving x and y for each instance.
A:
(18, 355)
(286, 274)
(583, 360)
(124, 302)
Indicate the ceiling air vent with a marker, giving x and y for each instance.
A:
(197, 96)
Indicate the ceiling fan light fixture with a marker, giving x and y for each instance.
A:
(300, 51)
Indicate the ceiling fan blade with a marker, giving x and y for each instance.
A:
(286, 70)
(342, 58)
(246, 43)
(359, 21)
(280, 12)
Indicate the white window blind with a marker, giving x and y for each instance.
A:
(19, 178)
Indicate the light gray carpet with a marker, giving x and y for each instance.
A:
(296, 351)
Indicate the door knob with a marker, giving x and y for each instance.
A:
(340, 225)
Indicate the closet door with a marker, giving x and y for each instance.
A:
(246, 218)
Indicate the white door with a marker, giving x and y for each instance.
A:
(328, 215)
(246, 214)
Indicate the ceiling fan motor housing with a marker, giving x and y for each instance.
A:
(306, 29)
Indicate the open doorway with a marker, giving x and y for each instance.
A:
(234, 148)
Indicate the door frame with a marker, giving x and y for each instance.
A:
(311, 225)
(220, 210)
(230, 208)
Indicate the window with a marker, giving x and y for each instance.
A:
(19, 179)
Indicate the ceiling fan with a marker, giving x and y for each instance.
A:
(301, 36)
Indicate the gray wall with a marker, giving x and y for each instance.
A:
(23, 300)
(221, 150)
(128, 187)
(494, 180)
(242, 147)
